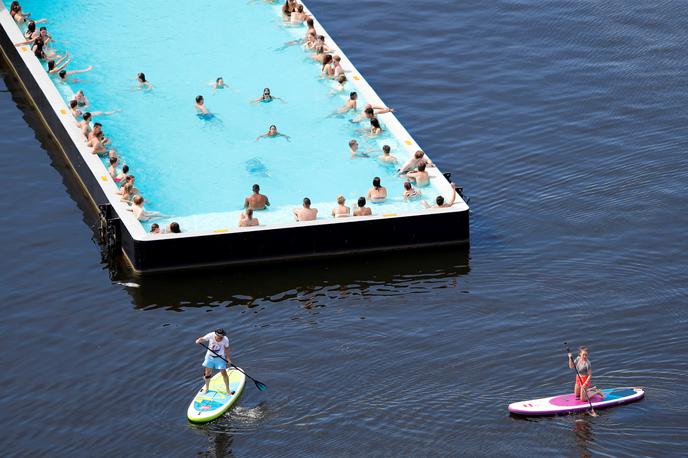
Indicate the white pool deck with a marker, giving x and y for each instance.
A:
(110, 189)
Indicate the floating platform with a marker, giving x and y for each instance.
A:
(284, 241)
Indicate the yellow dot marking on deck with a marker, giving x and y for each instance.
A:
(389, 214)
(24, 48)
(63, 111)
(356, 77)
(104, 178)
(408, 142)
(220, 231)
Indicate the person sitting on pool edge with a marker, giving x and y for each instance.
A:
(341, 210)
(246, 219)
(306, 213)
(362, 210)
(256, 201)
(581, 387)
(218, 343)
(440, 203)
(273, 133)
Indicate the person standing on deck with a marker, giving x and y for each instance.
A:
(218, 343)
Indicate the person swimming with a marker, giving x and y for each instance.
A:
(439, 201)
(420, 176)
(201, 110)
(56, 67)
(63, 74)
(256, 201)
(81, 99)
(219, 84)
(273, 133)
(410, 193)
(353, 150)
(267, 97)
(375, 128)
(143, 82)
(386, 157)
(350, 104)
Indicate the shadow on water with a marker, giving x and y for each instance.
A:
(365, 275)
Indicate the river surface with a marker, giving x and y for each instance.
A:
(567, 123)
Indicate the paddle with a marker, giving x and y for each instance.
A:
(260, 385)
(592, 411)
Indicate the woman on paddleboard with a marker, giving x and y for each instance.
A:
(218, 352)
(583, 368)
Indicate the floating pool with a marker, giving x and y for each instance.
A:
(198, 171)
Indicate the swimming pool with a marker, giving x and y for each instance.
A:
(199, 171)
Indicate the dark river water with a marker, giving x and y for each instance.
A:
(567, 123)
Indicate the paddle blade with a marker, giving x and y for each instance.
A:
(260, 385)
(593, 413)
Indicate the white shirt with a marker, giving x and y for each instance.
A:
(217, 347)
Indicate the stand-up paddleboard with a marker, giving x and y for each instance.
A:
(567, 403)
(216, 401)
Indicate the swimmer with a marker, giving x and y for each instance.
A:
(306, 213)
(362, 210)
(219, 84)
(420, 176)
(97, 134)
(339, 86)
(369, 112)
(353, 150)
(350, 104)
(32, 35)
(386, 157)
(112, 170)
(341, 210)
(74, 109)
(140, 212)
(63, 74)
(200, 106)
(247, 220)
(440, 203)
(37, 49)
(418, 158)
(337, 68)
(126, 193)
(327, 70)
(375, 128)
(30, 31)
(85, 123)
(21, 17)
(155, 228)
(123, 175)
(297, 17)
(256, 201)
(377, 193)
(319, 53)
(267, 97)
(130, 180)
(288, 8)
(143, 82)
(55, 67)
(81, 99)
(173, 228)
(410, 193)
(273, 133)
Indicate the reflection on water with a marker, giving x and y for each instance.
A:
(387, 274)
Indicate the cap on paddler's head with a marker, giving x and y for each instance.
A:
(220, 332)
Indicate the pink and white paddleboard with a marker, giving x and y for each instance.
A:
(567, 403)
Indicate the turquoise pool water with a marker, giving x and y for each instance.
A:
(199, 171)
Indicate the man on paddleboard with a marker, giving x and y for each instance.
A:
(583, 368)
(218, 343)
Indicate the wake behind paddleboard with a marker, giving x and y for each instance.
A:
(567, 403)
(216, 401)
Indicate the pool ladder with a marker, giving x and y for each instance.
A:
(459, 189)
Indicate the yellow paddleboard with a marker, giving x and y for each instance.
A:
(216, 401)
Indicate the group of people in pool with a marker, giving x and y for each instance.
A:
(414, 170)
(94, 136)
